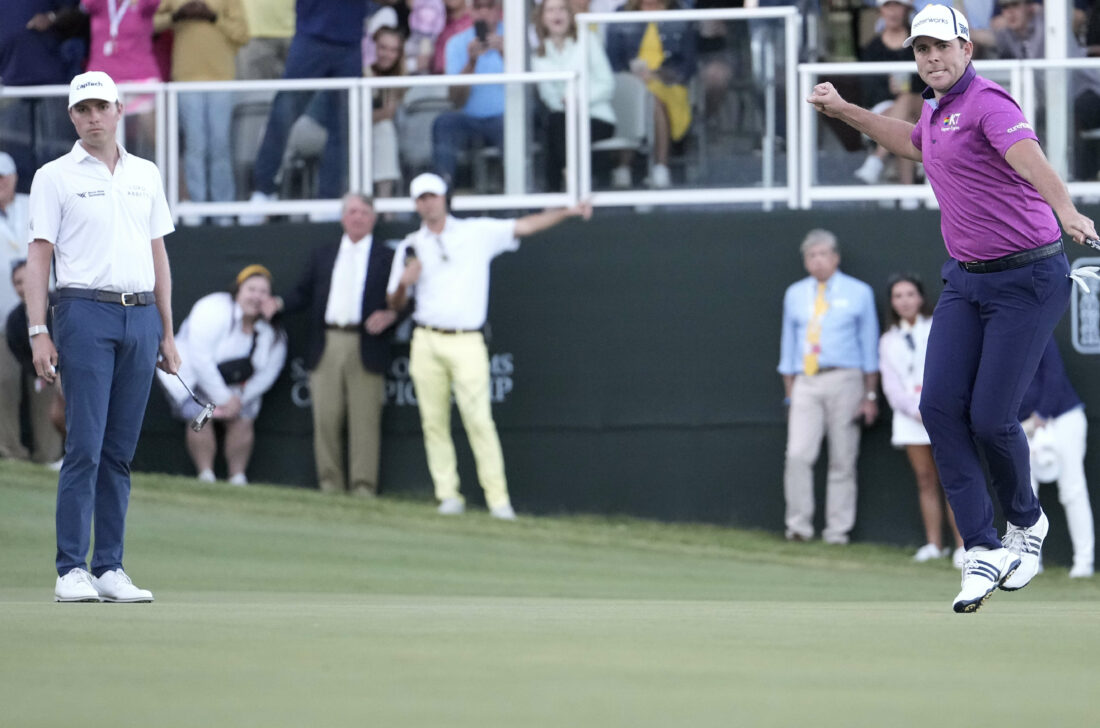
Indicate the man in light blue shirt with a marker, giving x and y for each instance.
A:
(478, 49)
(829, 362)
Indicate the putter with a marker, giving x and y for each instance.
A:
(203, 417)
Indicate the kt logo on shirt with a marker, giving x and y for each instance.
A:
(950, 123)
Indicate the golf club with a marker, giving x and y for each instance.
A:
(207, 412)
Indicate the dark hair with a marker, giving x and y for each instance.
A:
(913, 278)
(17, 264)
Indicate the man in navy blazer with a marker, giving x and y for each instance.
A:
(344, 290)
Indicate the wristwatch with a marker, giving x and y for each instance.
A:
(33, 331)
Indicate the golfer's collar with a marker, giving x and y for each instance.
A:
(960, 86)
(448, 225)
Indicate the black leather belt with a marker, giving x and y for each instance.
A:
(448, 331)
(1015, 260)
(143, 298)
(350, 328)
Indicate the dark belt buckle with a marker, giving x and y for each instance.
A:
(129, 299)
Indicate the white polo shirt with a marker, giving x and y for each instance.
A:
(453, 290)
(101, 225)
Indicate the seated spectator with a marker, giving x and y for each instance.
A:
(207, 34)
(231, 357)
(1022, 37)
(478, 49)
(122, 47)
(458, 19)
(896, 96)
(662, 55)
(389, 61)
(558, 51)
(327, 44)
(45, 403)
(270, 27)
(722, 54)
(14, 233)
(901, 362)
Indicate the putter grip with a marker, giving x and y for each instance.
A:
(1092, 243)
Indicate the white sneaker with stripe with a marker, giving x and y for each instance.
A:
(983, 571)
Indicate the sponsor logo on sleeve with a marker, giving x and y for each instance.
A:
(1018, 127)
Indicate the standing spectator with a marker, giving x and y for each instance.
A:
(270, 27)
(231, 357)
(389, 61)
(478, 49)
(445, 266)
(42, 42)
(1022, 37)
(45, 405)
(558, 51)
(458, 20)
(427, 19)
(207, 34)
(662, 55)
(327, 44)
(1053, 417)
(14, 227)
(901, 355)
(897, 95)
(829, 361)
(113, 315)
(344, 290)
(1006, 285)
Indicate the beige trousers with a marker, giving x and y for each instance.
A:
(11, 390)
(442, 362)
(824, 405)
(344, 393)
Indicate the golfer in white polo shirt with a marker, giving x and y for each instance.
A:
(445, 266)
(100, 214)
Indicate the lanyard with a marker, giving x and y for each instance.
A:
(116, 11)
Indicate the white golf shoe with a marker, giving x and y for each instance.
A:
(1027, 543)
(451, 507)
(870, 171)
(503, 512)
(115, 586)
(928, 552)
(1081, 570)
(983, 571)
(76, 586)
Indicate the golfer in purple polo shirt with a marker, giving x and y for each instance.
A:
(1005, 287)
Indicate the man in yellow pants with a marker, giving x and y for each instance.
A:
(445, 266)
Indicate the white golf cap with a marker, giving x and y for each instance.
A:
(940, 22)
(92, 85)
(907, 3)
(427, 184)
(7, 164)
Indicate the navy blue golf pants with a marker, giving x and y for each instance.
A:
(988, 335)
(106, 355)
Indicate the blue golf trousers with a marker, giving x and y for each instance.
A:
(106, 356)
(988, 334)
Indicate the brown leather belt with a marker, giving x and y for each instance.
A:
(448, 331)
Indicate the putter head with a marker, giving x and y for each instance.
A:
(202, 417)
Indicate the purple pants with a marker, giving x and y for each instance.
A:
(988, 334)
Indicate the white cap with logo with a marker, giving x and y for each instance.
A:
(7, 164)
(92, 85)
(427, 184)
(939, 22)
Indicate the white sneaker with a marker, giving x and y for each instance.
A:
(870, 171)
(257, 219)
(56, 465)
(207, 476)
(909, 203)
(620, 178)
(191, 220)
(503, 512)
(928, 552)
(76, 586)
(659, 177)
(238, 479)
(1081, 571)
(451, 507)
(1027, 543)
(115, 586)
(958, 557)
(983, 571)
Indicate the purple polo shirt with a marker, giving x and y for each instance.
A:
(987, 209)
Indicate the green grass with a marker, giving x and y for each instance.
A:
(281, 607)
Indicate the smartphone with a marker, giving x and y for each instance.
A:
(481, 29)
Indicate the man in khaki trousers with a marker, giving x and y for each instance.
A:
(829, 363)
(445, 265)
(344, 290)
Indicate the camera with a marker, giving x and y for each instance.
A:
(481, 29)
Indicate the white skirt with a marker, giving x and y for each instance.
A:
(384, 152)
(908, 431)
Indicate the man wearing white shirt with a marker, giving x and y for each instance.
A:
(445, 265)
(101, 215)
(13, 248)
(344, 289)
